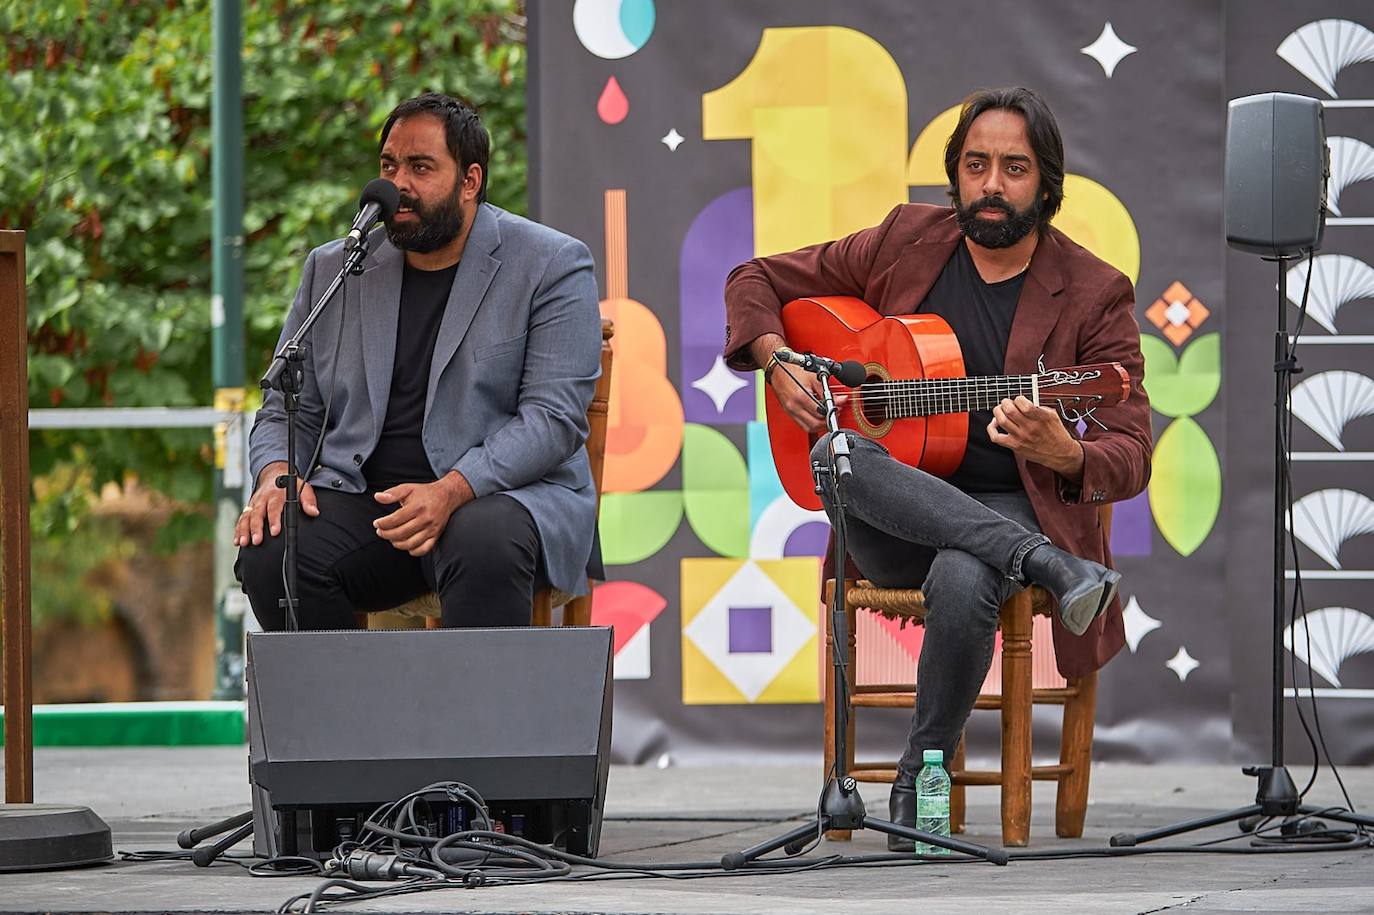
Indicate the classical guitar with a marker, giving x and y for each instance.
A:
(916, 398)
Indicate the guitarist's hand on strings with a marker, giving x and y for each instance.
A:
(1037, 434)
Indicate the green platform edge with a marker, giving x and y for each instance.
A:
(138, 724)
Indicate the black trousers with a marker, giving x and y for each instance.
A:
(485, 567)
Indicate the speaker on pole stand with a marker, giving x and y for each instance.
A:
(1277, 165)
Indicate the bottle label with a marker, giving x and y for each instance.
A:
(929, 806)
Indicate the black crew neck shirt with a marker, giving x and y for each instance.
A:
(980, 315)
(400, 453)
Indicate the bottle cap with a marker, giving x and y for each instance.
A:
(933, 756)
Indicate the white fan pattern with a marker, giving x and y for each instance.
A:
(1337, 279)
(1321, 50)
(1327, 518)
(1328, 401)
(1324, 638)
(1352, 161)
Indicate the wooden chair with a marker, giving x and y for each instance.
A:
(424, 610)
(1016, 700)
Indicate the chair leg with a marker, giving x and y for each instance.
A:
(578, 611)
(957, 797)
(1016, 719)
(831, 696)
(1076, 750)
(541, 612)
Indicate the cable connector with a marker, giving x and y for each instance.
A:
(368, 865)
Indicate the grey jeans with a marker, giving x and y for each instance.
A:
(906, 528)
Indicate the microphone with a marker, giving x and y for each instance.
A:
(379, 200)
(849, 373)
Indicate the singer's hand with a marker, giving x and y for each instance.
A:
(423, 513)
(265, 507)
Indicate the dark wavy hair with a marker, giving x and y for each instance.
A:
(467, 138)
(1041, 129)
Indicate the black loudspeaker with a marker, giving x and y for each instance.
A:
(1277, 164)
(342, 722)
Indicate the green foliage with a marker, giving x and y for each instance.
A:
(105, 160)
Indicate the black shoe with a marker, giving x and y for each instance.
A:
(901, 809)
(1082, 588)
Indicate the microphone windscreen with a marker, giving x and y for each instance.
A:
(383, 193)
(851, 373)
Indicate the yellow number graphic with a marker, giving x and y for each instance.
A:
(826, 110)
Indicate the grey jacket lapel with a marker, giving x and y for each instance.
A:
(475, 273)
(381, 308)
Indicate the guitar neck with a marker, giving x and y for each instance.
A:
(931, 396)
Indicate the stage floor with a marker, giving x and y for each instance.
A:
(697, 814)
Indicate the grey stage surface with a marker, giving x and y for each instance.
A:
(686, 814)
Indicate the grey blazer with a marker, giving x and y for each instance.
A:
(514, 368)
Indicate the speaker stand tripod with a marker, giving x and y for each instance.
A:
(840, 806)
(1276, 794)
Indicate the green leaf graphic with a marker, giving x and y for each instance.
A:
(1185, 385)
(715, 490)
(1185, 487)
(636, 525)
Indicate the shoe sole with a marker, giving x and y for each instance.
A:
(1086, 607)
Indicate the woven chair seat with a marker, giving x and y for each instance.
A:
(427, 605)
(908, 605)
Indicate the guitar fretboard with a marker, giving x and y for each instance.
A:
(929, 396)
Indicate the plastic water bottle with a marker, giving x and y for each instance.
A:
(932, 801)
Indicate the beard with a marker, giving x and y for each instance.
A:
(1001, 233)
(434, 227)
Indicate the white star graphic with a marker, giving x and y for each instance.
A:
(672, 139)
(1108, 50)
(719, 383)
(1138, 623)
(1182, 664)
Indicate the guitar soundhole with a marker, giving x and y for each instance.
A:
(870, 413)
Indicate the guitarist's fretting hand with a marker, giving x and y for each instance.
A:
(1037, 434)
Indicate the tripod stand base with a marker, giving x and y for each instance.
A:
(1277, 797)
(842, 808)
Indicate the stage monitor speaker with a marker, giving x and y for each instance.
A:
(1277, 164)
(342, 722)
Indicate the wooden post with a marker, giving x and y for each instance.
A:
(15, 598)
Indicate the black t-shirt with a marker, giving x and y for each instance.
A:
(400, 453)
(980, 315)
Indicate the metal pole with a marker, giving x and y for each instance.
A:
(15, 596)
(226, 311)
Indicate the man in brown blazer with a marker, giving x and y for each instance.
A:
(1022, 508)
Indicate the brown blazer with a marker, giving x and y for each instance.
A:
(1074, 309)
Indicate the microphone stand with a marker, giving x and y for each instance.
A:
(286, 374)
(840, 805)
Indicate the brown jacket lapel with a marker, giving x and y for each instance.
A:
(1038, 309)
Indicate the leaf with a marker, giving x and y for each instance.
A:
(1185, 485)
(1186, 385)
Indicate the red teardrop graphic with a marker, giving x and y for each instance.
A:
(613, 106)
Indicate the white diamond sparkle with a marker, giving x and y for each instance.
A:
(719, 384)
(1108, 50)
(1138, 623)
(1182, 664)
(672, 139)
(1177, 313)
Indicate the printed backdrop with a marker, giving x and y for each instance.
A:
(681, 138)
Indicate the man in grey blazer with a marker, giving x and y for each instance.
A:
(447, 394)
